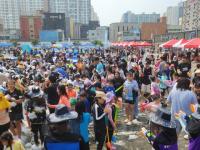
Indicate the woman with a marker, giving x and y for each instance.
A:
(181, 99)
(85, 119)
(118, 82)
(4, 115)
(9, 142)
(16, 113)
(63, 97)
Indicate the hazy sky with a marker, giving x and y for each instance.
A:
(111, 10)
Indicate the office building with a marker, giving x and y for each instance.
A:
(116, 30)
(100, 34)
(130, 17)
(79, 10)
(30, 27)
(84, 28)
(149, 30)
(94, 16)
(172, 15)
(11, 10)
(54, 21)
(191, 17)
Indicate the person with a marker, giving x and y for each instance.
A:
(61, 127)
(130, 93)
(9, 143)
(155, 89)
(63, 97)
(83, 97)
(193, 128)
(36, 110)
(184, 67)
(4, 115)
(162, 134)
(163, 86)
(85, 119)
(99, 67)
(147, 72)
(118, 82)
(16, 111)
(181, 99)
(99, 113)
(51, 90)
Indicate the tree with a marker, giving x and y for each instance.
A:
(14, 42)
(97, 43)
(35, 42)
(76, 43)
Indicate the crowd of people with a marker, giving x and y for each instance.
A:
(58, 98)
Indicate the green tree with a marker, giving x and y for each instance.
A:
(97, 43)
(35, 42)
(14, 42)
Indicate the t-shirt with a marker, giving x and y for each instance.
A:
(52, 95)
(184, 68)
(17, 95)
(84, 126)
(17, 145)
(129, 87)
(100, 68)
(181, 101)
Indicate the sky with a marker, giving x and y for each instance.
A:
(110, 11)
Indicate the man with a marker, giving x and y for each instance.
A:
(184, 67)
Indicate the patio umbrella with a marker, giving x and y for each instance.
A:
(169, 44)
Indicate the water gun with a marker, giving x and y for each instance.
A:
(183, 119)
(149, 135)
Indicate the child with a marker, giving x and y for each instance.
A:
(162, 134)
(162, 85)
(36, 109)
(110, 97)
(109, 87)
(99, 114)
(85, 119)
(193, 127)
(9, 143)
(155, 89)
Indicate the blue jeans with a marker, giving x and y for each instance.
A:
(136, 110)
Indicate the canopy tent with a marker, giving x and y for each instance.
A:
(133, 44)
(6, 44)
(193, 43)
(169, 44)
(180, 43)
(26, 48)
(67, 45)
(144, 44)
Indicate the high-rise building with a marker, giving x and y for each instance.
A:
(79, 10)
(130, 17)
(30, 27)
(191, 17)
(94, 16)
(11, 10)
(172, 15)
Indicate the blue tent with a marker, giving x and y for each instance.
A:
(67, 45)
(6, 44)
(26, 48)
(87, 45)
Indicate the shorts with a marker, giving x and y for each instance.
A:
(146, 88)
(129, 102)
(4, 127)
(16, 117)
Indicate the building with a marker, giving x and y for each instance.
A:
(172, 15)
(54, 21)
(173, 28)
(130, 17)
(100, 34)
(86, 27)
(79, 10)
(30, 27)
(11, 10)
(51, 35)
(94, 16)
(116, 30)
(191, 17)
(149, 30)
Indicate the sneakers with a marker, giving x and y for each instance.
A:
(126, 121)
(135, 121)
(186, 137)
(129, 123)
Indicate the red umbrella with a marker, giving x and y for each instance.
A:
(194, 43)
(169, 44)
(180, 43)
(145, 44)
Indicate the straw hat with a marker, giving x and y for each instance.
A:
(4, 103)
(100, 94)
(62, 113)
